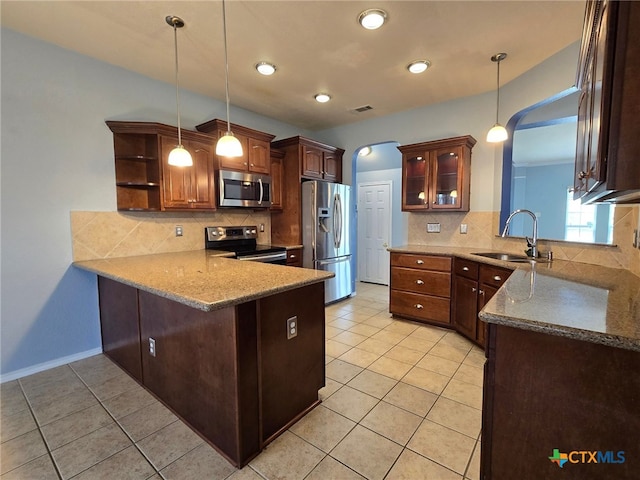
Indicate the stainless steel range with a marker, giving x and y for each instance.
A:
(243, 242)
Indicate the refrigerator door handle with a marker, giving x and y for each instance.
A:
(337, 220)
(333, 260)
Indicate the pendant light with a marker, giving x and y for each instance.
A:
(228, 145)
(497, 133)
(179, 156)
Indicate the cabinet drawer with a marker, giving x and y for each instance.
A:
(466, 268)
(421, 281)
(294, 257)
(421, 307)
(423, 262)
(494, 276)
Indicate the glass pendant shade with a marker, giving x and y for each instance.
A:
(497, 134)
(229, 146)
(180, 157)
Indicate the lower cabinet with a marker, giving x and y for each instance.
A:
(421, 287)
(473, 286)
(232, 374)
(294, 257)
(424, 289)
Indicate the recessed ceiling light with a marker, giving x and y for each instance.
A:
(364, 151)
(322, 97)
(265, 68)
(418, 66)
(372, 18)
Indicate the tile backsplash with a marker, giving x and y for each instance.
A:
(98, 235)
(483, 228)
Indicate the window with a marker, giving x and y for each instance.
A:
(581, 221)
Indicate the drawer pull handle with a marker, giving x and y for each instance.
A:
(418, 306)
(419, 282)
(292, 255)
(420, 262)
(497, 278)
(465, 269)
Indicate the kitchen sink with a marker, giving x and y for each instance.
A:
(505, 257)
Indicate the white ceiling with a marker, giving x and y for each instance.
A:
(316, 45)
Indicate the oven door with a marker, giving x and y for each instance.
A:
(240, 189)
(277, 258)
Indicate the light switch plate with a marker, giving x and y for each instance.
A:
(433, 228)
(463, 228)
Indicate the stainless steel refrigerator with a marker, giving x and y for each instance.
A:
(325, 235)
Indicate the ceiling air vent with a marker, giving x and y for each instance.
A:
(364, 108)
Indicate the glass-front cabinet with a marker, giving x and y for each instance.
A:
(436, 175)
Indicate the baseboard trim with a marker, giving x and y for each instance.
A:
(41, 367)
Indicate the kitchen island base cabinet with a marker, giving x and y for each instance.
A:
(544, 392)
(231, 374)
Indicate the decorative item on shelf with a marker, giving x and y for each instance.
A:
(179, 156)
(453, 197)
(228, 145)
(497, 133)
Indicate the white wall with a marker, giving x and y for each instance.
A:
(57, 156)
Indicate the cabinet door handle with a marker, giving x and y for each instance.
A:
(465, 269)
(253, 165)
(244, 163)
(419, 282)
(418, 306)
(497, 278)
(481, 292)
(473, 289)
(420, 262)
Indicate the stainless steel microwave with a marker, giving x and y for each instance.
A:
(241, 189)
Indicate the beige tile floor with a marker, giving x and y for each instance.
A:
(401, 401)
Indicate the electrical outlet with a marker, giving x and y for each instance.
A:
(152, 347)
(463, 228)
(433, 228)
(292, 327)
(262, 227)
(178, 230)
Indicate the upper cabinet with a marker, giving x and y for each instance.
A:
(188, 187)
(277, 178)
(303, 159)
(436, 175)
(255, 147)
(144, 179)
(608, 144)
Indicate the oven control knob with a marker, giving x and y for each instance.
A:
(253, 230)
(215, 234)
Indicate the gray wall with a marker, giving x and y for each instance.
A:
(57, 156)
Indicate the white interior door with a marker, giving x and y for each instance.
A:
(374, 229)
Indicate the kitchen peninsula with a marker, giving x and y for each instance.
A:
(236, 349)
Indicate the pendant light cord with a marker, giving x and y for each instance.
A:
(175, 41)
(226, 62)
(498, 90)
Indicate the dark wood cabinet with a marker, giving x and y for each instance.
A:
(276, 179)
(420, 287)
(544, 394)
(294, 257)
(256, 146)
(188, 187)
(436, 175)
(473, 286)
(232, 374)
(608, 145)
(144, 179)
(304, 159)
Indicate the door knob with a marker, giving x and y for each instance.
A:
(385, 244)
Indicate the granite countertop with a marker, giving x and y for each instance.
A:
(570, 299)
(203, 279)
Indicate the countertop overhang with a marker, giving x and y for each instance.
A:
(203, 279)
(576, 300)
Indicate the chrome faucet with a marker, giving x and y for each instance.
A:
(531, 242)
